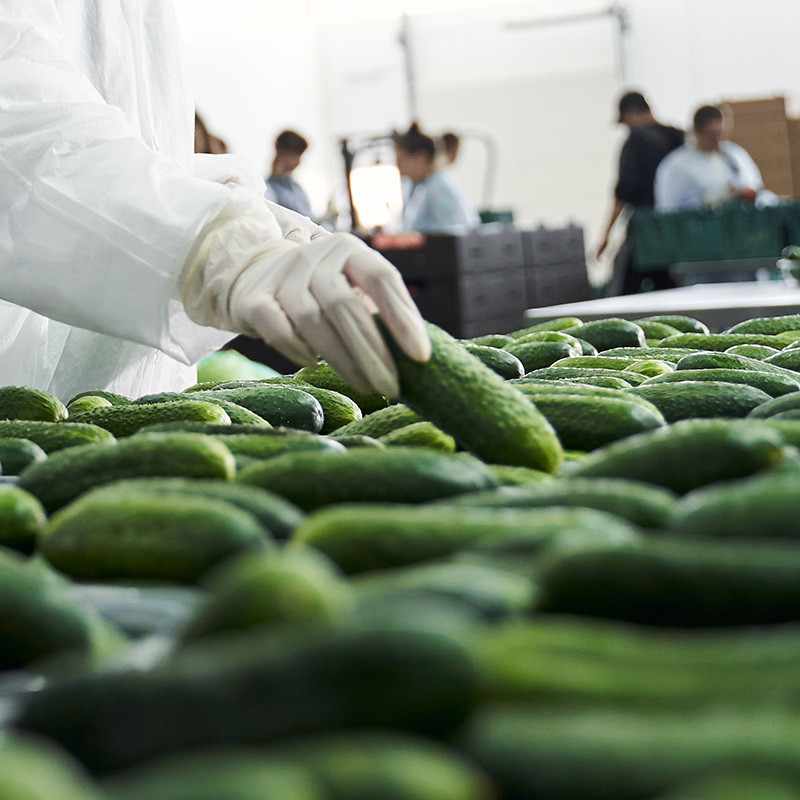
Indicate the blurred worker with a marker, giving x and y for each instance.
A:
(125, 257)
(648, 142)
(708, 171)
(282, 187)
(433, 200)
(205, 142)
(451, 143)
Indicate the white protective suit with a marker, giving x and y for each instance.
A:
(105, 209)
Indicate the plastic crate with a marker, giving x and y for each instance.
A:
(727, 234)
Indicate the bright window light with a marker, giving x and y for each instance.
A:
(377, 195)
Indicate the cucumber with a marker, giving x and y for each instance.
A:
(679, 321)
(585, 662)
(657, 330)
(787, 359)
(503, 362)
(651, 367)
(606, 334)
(640, 503)
(608, 754)
(490, 340)
(695, 399)
(588, 422)
(605, 381)
(280, 405)
(16, 454)
(726, 360)
(360, 538)
(587, 348)
(767, 325)
(325, 377)
(213, 773)
(40, 618)
(338, 409)
(558, 324)
(688, 454)
(603, 362)
(257, 689)
(771, 383)
(238, 415)
(547, 336)
(420, 434)
(129, 535)
(737, 783)
(678, 581)
(86, 403)
(358, 440)
(277, 515)
(716, 341)
(35, 769)
(112, 397)
(380, 422)
(125, 420)
(569, 373)
(68, 473)
(280, 441)
(262, 589)
(571, 387)
(537, 355)
(387, 765)
(757, 351)
(22, 519)
(660, 353)
(758, 507)
(397, 474)
(487, 593)
(52, 436)
(518, 476)
(26, 403)
(482, 412)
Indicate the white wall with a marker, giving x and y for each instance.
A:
(332, 68)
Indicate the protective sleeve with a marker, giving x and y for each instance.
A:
(95, 226)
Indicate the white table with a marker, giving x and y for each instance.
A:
(718, 305)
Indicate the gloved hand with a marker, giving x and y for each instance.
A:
(306, 300)
(295, 227)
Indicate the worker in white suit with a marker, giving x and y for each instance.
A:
(124, 257)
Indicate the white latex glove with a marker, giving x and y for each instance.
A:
(295, 227)
(307, 300)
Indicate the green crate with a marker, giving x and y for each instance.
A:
(726, 234)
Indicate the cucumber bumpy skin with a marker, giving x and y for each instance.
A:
(481, 411)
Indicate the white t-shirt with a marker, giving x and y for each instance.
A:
(689, 178)
(438, 205)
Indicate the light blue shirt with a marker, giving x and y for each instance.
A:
(689, 178)
(288, 193)
(438, 205)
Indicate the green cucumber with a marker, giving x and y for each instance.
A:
(52, 436)
(482, 412)
(65, 475)
(325, 377)
(16, 454)
(125, 420)
(716, 341)
(129, 535)
(397, 474)
(26, 403)
(679, 321)
(22, 519)
(251, 689)
(503, 362)
(688, 454)
(767, 325)
(695, 399)
(537, 355)
(558, 324)
(609, 333)
(771, 383)
(640, 503)
(380, 422)
(568, 373)
(420, 434)
(726, 360)
(757, 351)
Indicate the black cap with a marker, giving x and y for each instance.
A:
(632, 101)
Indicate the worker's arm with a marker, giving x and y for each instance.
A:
(616, 210)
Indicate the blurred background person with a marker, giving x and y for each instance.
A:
(282, 188)
(451, 142)
(648, 142)
(708, 170)
(433, 201)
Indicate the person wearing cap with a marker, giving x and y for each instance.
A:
(648, 142)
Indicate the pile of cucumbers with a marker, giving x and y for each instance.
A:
(563, 565)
